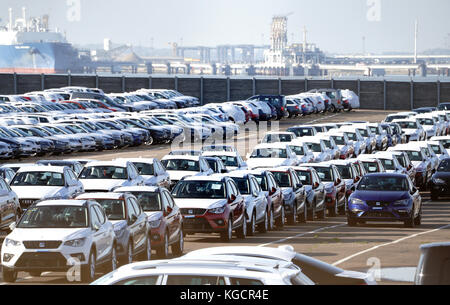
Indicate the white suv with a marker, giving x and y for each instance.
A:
(54, 235)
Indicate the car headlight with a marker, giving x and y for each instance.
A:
(403, 202)
(155, 223)
(218, 210)
(356, 201)
(12, 243)
(79, 242)
(118, 228)
(329, 189)
(438, 181)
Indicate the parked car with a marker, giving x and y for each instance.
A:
(56, 232)
(180, 167)
(271, 155)
(318, 148)
(302, 131)
(314, 192)
(440, 181)
(304, 154)
(433, 264)
(232, 160)
(385, 197)
(152, 170)
(211, 204)
(275, 137)
(130, 224)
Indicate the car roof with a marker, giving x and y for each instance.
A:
(220, 153)
(99, 195)
(181, 157)
(108, 163)
(42, 168)
(136, 160)
(70, 202)
(215, 177)
(149, 189)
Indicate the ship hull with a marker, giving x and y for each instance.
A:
(43, 57)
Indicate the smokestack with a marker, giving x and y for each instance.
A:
(10, 25)
(416, 31)
(24, 17)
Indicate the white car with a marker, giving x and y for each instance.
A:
(181, 166)
(343, 143)
(272, 155)
(390, 162)
(232, 160)
(275, 137)
(430, 124)
(235, 114)
(304, 154)
(331, 145)
(152, 170)
(317, 146)
(413, 130)
(444, 140)
(209, 271)
(38, 182)
(105, 176)
(359, 143)
(55, 235)
(350, 100)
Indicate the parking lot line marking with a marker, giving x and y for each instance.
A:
(387, 244)
(303, 234)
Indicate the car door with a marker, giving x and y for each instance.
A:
(141, 223)
(163, 175)
(133, 224)
(99, 232)
(173, 217)
(277, 196)
(236, 206)
(7, 204)
(259, 197)
(340, 187)
(417, 199)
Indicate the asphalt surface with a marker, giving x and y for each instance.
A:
(389, 250)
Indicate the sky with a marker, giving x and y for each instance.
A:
(335, 26)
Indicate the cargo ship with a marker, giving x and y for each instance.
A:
(29, 46)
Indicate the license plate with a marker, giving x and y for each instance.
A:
(377, 209)
(41, 251)
(189, 216)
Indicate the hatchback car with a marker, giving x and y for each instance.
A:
(440, 181)
(385, 197)
(152, 170)
(314, 192)
(271, 155)
(129, 221)
(180, 167)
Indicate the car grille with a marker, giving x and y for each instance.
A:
(199, 224)
(193, 211)
(26, 203)
(45, 259)
(95, 191)
(43, 244)
(379, 214)
(383, 204)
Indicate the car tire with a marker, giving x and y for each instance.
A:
(332, 109)
(88, 271)
(312, 215)
(149, 141)
(304, 216)
(418, 219)
(280, 221)
(128, 257)
(272, 220)
(351, 222)
(146, 255)
(292, 219)
(178, 248)
(163, 251)
(251, 229)
(264, 226)
(434, 196)
(114, 262)
(410, 222)
(227, 235)
(9, 276)
(241, 233)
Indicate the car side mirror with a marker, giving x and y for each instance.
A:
(316, 185)
(232, 198)
(12, 226)
(224, 171)
(338, 181)
(133, 219)
(272, 191)
(168, 211)
(299, 186)
(356, 179)
(96, 227)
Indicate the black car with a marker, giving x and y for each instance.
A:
(158, 134)
(440, 181)
(293, 108)
(434, 265)
(277, 101)
(444, 106)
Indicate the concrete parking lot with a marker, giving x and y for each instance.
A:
(375, 246)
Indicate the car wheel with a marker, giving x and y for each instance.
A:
(88, 271)
(178, 248)
(147, 253)
(332, 108)
(114, 262)
(312, 215)
(272, 221)
(304, 216)
(242, 231)
(351, 222)
(418, 219)
(410, 222)
(252, 227)
(332, 212)
(9, 276)
(227, 235)
(149, 141)
(434, 196)
(281, 220)
(163, 252)
(292, 219)
(264, 226)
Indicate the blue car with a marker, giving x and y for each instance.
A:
(385, 197)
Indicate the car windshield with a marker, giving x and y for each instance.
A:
(351, 136)
(243, 185)
(444, 166)
(314, 147)
(298, 150)
(436, 148)
(269, 153)
(213, 165)
(104, 172)
(408, 125)
(325, 173)
(200, 189)
(181, 165)
(370, 166)
(38, 179)
(273, 138)
(426, 122)
(364, 132)
(345, 171)
(414, 155)
(150, 202)
(228, 160)
(301, 132)
(402, 160)
(262, 181)
(217, 148)
(305, 177)
(114, 209)
(383, 184)
(445, 143)
(283, 179)
(339, 140)
(144, 168)
(388, 164)
(54, 217)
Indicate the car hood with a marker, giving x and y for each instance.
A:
(199, 203)
(101, 184)
(178, 175)
(40, 192)
(442, 175)
(266, 162)
(20, 234)
(154, 215)
(380, 196)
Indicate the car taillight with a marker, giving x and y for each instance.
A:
(296, 107)
(303, 106)
(282, 108)
(339, 102)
